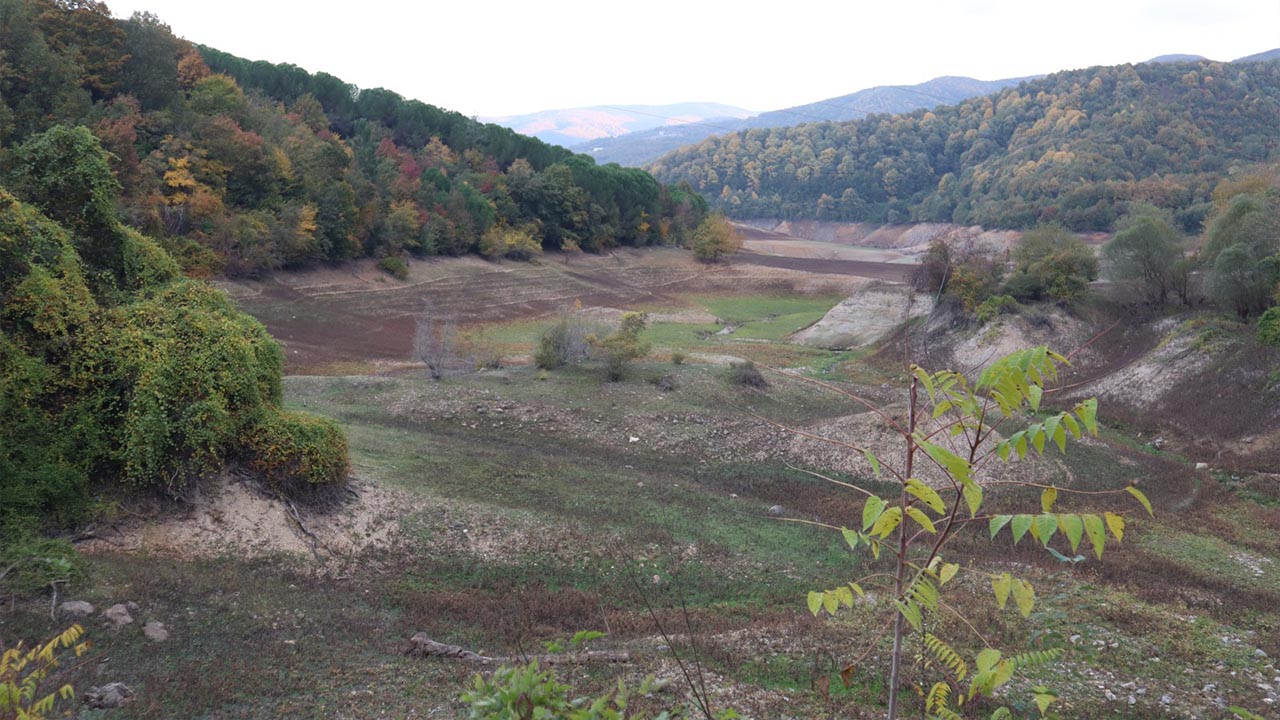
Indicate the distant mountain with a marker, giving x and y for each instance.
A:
(1076, 147)
(1260, 57)
(1176, 58)
(886, 99)
(571, 126)
(638, 148)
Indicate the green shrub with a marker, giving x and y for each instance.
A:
(188, 372)
(152, 383)
(34, 561)
(623, 345)
(530, 692)
(1269, 327)
(678, 358)
(993, 306)
(746, 374)
(294, 450)
(395, 267)
(568, 342)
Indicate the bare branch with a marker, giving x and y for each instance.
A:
(841, 483)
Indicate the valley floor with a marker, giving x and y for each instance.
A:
(508, 508)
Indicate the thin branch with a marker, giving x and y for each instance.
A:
(1028, 483)
(856, 398)
(965, 620)
(820, 476)
(801, 521)
(688, 677)
(801, 433)
(870, 647)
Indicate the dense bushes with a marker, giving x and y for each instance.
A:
(294, 450)
(568, 342)
(1269, 327)
(118, 373)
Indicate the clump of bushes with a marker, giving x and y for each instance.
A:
(568, 342)
(295, 450)
(119, 374)
(746, 374)
(678, 358)
(395, 267)
(993, 306)
(1269, 327)
(623, 345)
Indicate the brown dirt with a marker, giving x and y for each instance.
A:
(357, 314)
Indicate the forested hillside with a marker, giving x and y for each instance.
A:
(1075, 147)
(244, 167)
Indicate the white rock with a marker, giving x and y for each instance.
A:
(75, 609)
(118, 615)
(155, 631)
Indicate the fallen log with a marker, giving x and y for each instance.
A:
(422, 646)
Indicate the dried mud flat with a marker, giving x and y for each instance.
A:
(360, 315)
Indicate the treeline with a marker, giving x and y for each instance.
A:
(119, 374)
(1076, 148)
(1237, 267)
(244, 167)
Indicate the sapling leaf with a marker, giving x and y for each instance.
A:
(997, 523)
(926, 494)
(1048, 498)
(1116, 524)
(1096, 532)
(1141, 498)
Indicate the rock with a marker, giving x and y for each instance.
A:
(111, 695)
(118, 615)
(1166, 699)
(1129, 685)
(155, 631)
(776, 510)
(75, 609)
(132, 606)
(1260, 653)
(1202, 466)
(1110, 695)
(1075, 639)
(1133, 700)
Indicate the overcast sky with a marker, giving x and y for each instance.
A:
(496, 57)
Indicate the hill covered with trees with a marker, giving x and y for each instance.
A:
(242, 167)
(1076, 148)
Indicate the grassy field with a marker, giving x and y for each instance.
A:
(534, 505)
(754, 326)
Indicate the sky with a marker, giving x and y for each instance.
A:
(500, 57)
